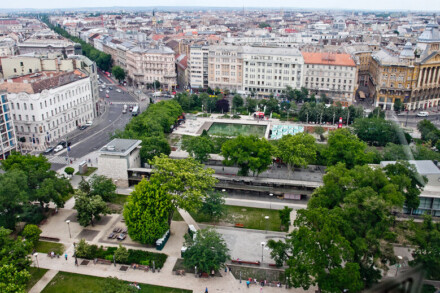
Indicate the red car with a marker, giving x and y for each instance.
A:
(106, 95)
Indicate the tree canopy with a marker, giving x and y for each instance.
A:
(147, 210)
(208, 251)
(89, 208)
(297, 150)
(118, 73)
(250, 153)
(198, 147)
(378, 132)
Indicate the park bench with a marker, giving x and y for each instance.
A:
(180, 272)
(135, 266)
(239, 261)
(239, 225)
(50, 238)
(204, 275)
(103, 261)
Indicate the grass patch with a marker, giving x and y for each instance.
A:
(177, 217)
(36, 275)
(47, 247)
(251, 218)
(76, 283)
(67, 197)
(116, 204)
(90, 170)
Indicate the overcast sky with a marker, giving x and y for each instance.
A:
(424, 5)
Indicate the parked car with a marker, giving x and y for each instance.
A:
(423, 114)
(107, 91)
(82, 127)
(110, 88)
(100, 90)
(58, 148)
(64, 143)
(122, 236)
(89, 123)
(48, 150)
(118, 90)
(130, 108)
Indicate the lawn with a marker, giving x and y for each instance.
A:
(90, 170)
(251, 218)
(116, 204)
(177, 217)
(75, 283)
(47, 247)
(36, 275)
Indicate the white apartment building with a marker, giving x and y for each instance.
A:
(269, 70)
(8, 141)
(225, 67)
(331, 74)
(146, 65)
(198, 66)
(49, 105)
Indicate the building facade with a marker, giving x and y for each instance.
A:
(145, 66)
(198, 66)
(269, 70)
(225, 67)
(331, 74)
(8, 140)
(48, 106)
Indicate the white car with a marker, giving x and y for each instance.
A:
(89, 123)
(423, 114)
(58, 148)
(107, 91)
(118, 90)
(100, 90)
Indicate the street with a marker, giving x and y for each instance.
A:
(96, 136)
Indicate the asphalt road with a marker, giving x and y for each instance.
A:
(93, 138)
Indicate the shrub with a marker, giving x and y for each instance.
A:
(121, 254)
(109, 257)
(235, 116)
(276, 116)
(32, 233)
(69, 170)
(145, 262)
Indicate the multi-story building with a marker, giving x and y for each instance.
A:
(28, 64)
(331, 74)
(46, 41)
(225, 69)
(7, 47)
(392, 75)
(8, 141)
(269, 70)
(198, 65)
(146, 65)
(47, 106)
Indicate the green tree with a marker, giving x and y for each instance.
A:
(13, 196)
(69, 171)
(156, 84)
(297, 150)
(251, 104)
(118, 73)
(427, 253)
(249, 153)
(378, 113)
(214, 205)
(208, 251)
(89, 208)
(121, 254)
(14, 251)
(186, 182)
(428, 131)
(84, 186)
(263, 25)
(102, 186)
(398, 105)
(32, 233)
(285, 216)
(378, 132)
(198, 147)
(346, 148)
(154, 146)
(147, 210)
(13, 280)
(237, 101)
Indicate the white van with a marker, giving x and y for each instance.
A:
(423, 114)
(124, 110)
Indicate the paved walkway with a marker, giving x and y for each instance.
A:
(42, 283)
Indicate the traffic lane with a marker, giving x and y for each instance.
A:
(114, 96)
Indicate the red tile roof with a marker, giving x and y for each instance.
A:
(328, 59)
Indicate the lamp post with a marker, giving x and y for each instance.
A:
(262, 247)
(36, 259)
(68, 226)
(398, 264)
(195, 271)
(267, 222)
(270, 202)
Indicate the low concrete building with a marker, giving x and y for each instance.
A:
(117, 157)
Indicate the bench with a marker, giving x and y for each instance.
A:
(180, 272)
(239, 261)
(135, 266)
(238, 225)
(50, 238)
(204, 275)
(103, 261)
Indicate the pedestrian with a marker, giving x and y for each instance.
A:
(65, 256)
(206, 290)
(247, 283)
(76, 261)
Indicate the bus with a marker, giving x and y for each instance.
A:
(135, 111)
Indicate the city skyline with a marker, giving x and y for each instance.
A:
(424, 5)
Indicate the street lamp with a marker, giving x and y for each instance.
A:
(271, 196)
(36, 259)
(195, 271)
(267, 222)
(262, 247)
(68, 226)
(398, 264)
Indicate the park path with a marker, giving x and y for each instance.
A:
(42, 283)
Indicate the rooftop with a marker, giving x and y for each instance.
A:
(424, 167)
(120, 147)
(328, 59)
